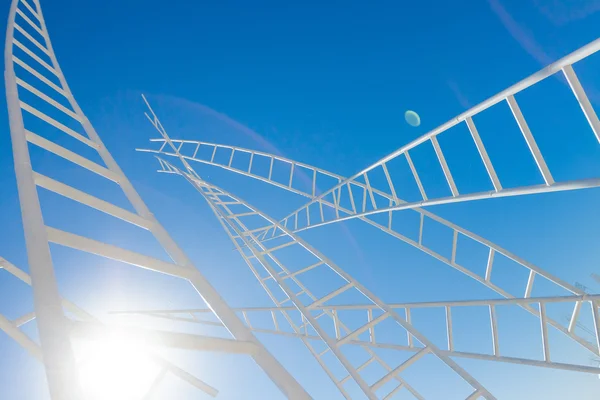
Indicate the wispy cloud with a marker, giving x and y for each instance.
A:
(460, 97)
(526, 39)
(520, 34)
(562, 12)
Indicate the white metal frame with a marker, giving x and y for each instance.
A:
(198, 316)
(253, 250)
(360, 181)
(187, 150)
(419, 243)
(12, 329)
(55, 344)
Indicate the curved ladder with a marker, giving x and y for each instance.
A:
(358, 185)
(275, 314)
(37, 72)
(188, 150)
(332, 332)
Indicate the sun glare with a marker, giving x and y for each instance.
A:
(115, 368)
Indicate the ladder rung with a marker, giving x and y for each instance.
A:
(41, 77)
(365, 364)
(483, 154)
(246, 214)
(35, 56)
(48, 99)
(475, 395)
(321, 354)
(331, 295)
(583, 100)
(444, 164)
(32, 39)
(303, 270)
(531, 143)
(30, 22)
(71, 156)
(400, 368)
(31, 10)
(114, 253)
(362, 329)
(574, 316)
(391, 394)
(281, 246)
(415, 175)
(58, 125)
(19, 322)
(90, 201)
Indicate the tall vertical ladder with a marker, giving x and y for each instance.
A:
(32, 68)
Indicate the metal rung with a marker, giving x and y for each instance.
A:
(415, 175)
(574, 316)
(369, 189)
(331, 295)
(321, 354)
(596, 319)
(30, 22)
(544, 327)
(389, 181)
(114, 253)
(16, 334)
(475, 395)
(531, 143)
(48, 99)
(365, 364)
(583, 100)
(242, 214)
(494, 327)
(35, 57)
(32, 39)
(41, 77)
(71, 156)
(58, 125)
(303, 270)
(400, 368)
(483, 154)
(490, 264)
(31, 10)
(444, 164)
(19, 322)
(90, 201)
(281, 246)
(362, 329)
(529, 286)
(391, 394)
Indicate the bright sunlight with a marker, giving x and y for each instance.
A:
(115, 368)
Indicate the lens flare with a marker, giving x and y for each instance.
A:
(115, 368)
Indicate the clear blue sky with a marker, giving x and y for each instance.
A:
(325, 83)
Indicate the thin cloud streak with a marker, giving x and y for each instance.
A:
(460, 97)
(563, 12)
(530, 45)
(520, 34)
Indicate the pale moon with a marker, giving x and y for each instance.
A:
(412, 118)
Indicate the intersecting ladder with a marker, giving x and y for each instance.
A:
(358, 191)
(188, 150)
(289, 286)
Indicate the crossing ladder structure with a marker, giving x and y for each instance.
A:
(342, 324)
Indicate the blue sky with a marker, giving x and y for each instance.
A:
(326, 83)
